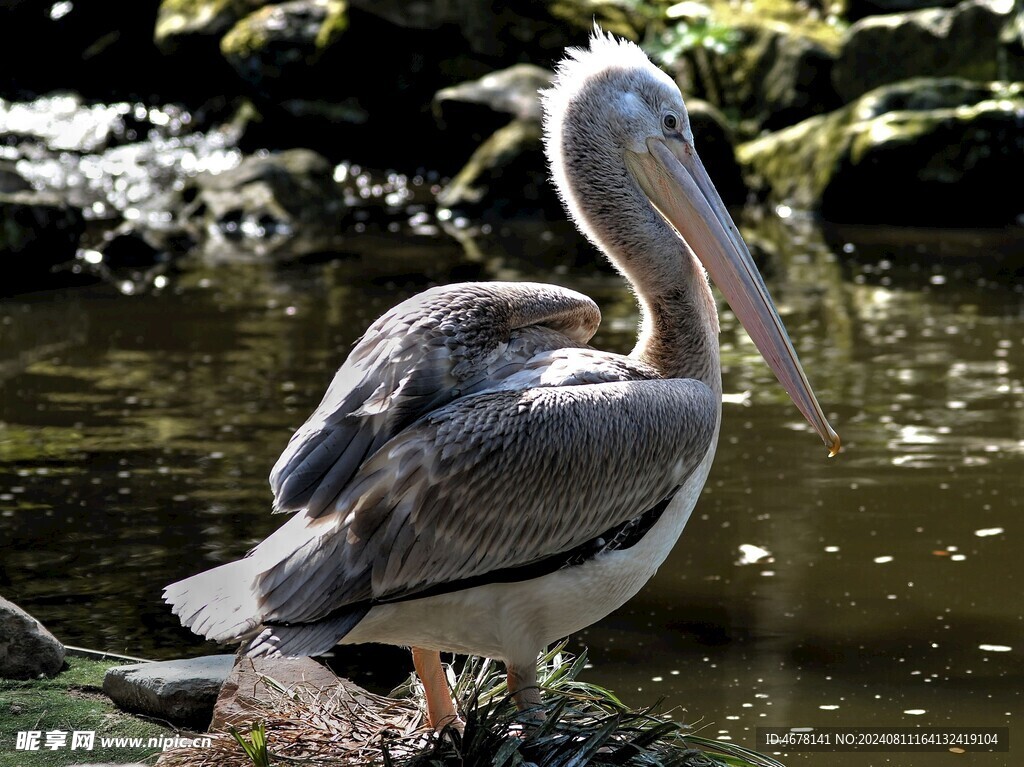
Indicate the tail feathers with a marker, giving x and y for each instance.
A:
(220, 604)
(307, 638)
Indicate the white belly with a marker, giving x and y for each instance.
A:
(513, 621)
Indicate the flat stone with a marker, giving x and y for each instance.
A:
(27, 649)
(244, 689)
(180, 691)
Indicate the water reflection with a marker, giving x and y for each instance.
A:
(881, 587)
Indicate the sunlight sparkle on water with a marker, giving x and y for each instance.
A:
(751, 554)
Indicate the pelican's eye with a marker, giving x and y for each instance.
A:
(670, 122)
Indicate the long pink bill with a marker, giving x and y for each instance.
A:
(679, 187)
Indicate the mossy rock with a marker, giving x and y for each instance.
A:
(279, 43)
(504, 177)
(922, 152)
(186, 20)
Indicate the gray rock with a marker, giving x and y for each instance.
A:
(937, 42)
(795, 82)
(717, 147)
(505, 176)
(27, 649)
(180, 691)
(473, 110)
(286, 203)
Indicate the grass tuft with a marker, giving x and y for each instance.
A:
(255, 746)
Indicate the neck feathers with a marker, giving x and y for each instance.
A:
(679, 320)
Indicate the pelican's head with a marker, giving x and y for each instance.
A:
(617, 136)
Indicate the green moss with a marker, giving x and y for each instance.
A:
(246, 38)
(334, 25)
(205, 18)
(195, 7)
(68, 702)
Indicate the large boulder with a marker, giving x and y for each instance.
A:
(27, 649)
(282, 204)
(929, 152)
(505, 177)
(963, 41)
(304, 63)
(471, 111)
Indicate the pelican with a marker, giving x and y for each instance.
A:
(479, 480)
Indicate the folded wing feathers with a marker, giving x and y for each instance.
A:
(363, 533)
(421, 355)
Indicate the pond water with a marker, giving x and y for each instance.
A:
(882, 587)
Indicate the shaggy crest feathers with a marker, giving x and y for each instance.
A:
(581, 65)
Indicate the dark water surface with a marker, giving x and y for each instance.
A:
(882, 587)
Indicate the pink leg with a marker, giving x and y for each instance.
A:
(522, 683)
(441, 711)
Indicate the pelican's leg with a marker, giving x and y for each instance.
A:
(522, 683)
(441, 711)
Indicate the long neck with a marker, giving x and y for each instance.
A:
(678, 318)
(678, 331)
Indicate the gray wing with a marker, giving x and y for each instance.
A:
(492, 481)
(426, 352)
